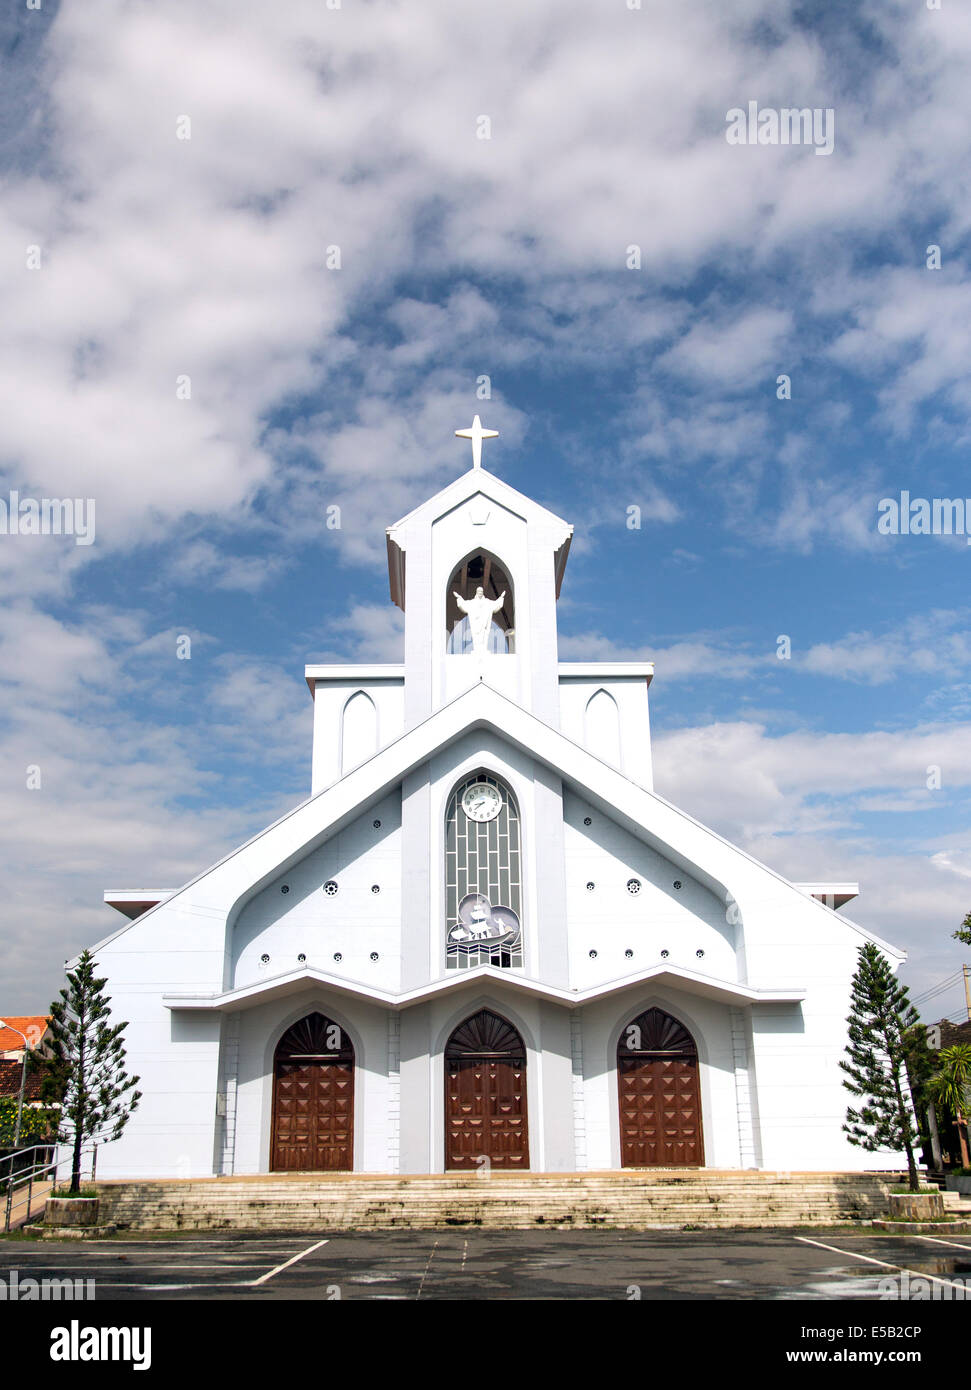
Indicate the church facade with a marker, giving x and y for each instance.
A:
(484, 940)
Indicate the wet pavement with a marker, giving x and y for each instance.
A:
(466, 1265)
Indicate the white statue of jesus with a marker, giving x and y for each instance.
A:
(479, 611)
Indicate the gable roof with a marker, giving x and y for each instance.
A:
(476, 482)
(222, 890)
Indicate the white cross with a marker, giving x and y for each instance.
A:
(476, 434)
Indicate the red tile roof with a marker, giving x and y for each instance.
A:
(33, 1025)
(10, 1081)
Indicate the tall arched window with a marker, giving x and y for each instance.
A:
(480, 577)
(483, 875)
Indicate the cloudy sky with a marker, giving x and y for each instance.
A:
(180, 181)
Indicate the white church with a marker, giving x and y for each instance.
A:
(484, 939)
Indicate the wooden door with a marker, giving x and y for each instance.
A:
(313, 1098)
(660, 1099)
(485, 1095)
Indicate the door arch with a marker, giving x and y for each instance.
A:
(660, 1098)
(485, 1095)
(313, 1098)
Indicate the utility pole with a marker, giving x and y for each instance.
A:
(967, 989)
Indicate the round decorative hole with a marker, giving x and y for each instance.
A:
(264, 960)
(593, 955)
(591, 887)
(376, 824)
(375, 888)
(633, 886)
(588, 820)
(699, 954)
(330, 887)
(677, 883)
(665, 954)
(301, 958)
(285, 888)
(374, 955)
(338, 956)
(629, 954)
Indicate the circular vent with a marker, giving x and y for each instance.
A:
(330, 887)
(633, 886)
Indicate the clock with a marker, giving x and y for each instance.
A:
(482, 802)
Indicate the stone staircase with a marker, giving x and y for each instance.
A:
(633, 1200)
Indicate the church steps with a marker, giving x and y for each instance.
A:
(506, 1201)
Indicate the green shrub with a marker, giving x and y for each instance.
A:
(36, 1125)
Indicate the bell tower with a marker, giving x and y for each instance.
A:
(477, 571)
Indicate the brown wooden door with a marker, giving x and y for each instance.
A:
(313, 1098)
(485, 1095)
(660, 1100)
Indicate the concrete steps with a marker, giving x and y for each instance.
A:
(501, 1201)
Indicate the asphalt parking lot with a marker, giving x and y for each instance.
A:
(465, 1265)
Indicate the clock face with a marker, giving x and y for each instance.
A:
(482, 802)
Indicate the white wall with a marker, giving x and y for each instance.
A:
(610, 920)
(580, 684)
(354, 922)
(337, 748)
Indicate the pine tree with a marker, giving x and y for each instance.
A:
(89, 1064)
(887, 1042)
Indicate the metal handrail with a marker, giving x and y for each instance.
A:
(45, 1164)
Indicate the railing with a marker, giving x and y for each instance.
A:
(33, 1168)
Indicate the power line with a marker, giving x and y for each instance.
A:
(939, 987)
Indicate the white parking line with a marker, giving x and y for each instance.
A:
(870, 1260)
(252, 1283)
(938, 1240)
(427, 1268)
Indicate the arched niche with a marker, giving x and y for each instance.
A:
(602, 727)
(480, 570)
(359, 731)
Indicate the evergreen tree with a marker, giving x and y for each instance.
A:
(887, 1042)
(89, 1064)
(963, 932)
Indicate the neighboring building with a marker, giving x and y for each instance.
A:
(34, 1027)
(953, 1033)
(485, 935)
(10, 1073)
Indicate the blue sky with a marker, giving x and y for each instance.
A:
(461, 257)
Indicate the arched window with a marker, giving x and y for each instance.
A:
(483, 875)
(480, 577)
